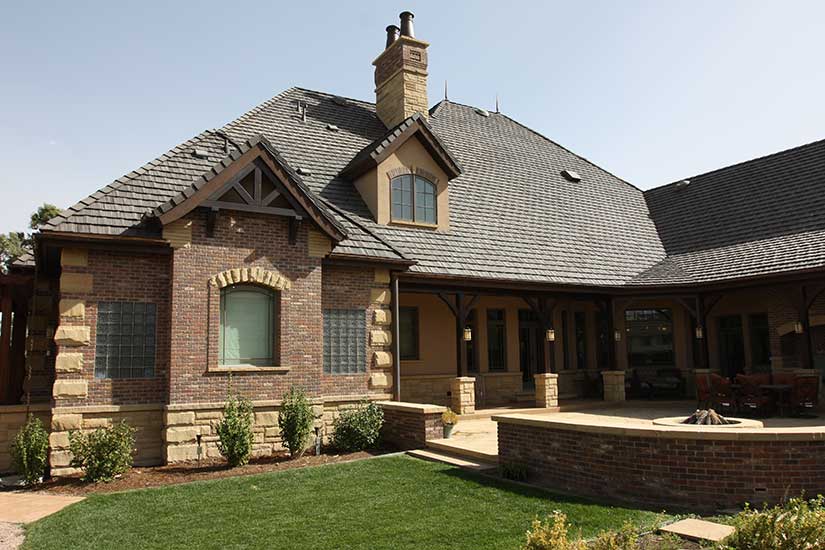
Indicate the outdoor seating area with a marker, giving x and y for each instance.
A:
(759, 395)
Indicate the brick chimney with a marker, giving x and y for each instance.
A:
(401, 74)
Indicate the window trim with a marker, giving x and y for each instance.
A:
(274, 321)
(413, 193)
(416, 333)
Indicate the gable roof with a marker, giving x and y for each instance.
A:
(191, 196)
(750, 219)
(416, 125)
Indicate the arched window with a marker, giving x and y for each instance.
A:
(413, 199)
(248, 331)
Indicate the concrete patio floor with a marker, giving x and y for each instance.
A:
(476, 436)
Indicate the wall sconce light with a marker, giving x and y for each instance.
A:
(468, 334)
(550, 335)
(700, 333)
(617, 335)
(797, 327)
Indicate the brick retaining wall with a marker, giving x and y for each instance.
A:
(665, 470)
(411, 425)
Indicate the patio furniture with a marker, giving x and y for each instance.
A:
(753, 398)
(668, 384)
(704, 397)
(723, 397)
(781, 396)
(805, 395)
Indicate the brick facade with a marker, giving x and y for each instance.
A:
(410, 426)
(699, 474)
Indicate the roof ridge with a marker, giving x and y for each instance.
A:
(739, 164)
(119, 182)
(332, 95)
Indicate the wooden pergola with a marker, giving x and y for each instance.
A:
(15, 293)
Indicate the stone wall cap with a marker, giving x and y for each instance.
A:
(422, 408)
(816, 433)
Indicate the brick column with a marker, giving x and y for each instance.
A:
(613, 385)
(463, 395)
(547, 390)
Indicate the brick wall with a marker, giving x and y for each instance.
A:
(677, 473)
(410, 426)
(243, 240)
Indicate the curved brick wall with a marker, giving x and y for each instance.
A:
(675, 468)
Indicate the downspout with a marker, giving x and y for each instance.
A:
(396, 340)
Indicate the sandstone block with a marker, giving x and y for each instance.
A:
(380, 296)
(60, 459)
(64, 422)
(382, 359)
(76, 283)
(181, 435)
(59, 440)
(63, 472)
(380, 380)
(72, 336)
(208, 415)
(382, 276)
(179, 418)
(180, 453)
(68, 362)
(381, 317)
(77, 257)
(95, 423)
(380, 337)
(268, 418)
(70, 388)
(72, 309)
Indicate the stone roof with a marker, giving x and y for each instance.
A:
(513, 215)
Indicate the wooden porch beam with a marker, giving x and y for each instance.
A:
(5, 344)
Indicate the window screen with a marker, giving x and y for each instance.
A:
(125, 340)
(345, 341)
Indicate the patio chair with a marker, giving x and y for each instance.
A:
(704, 396)
(752, 398)
(805, 395)
(784, 378)
(723, 397)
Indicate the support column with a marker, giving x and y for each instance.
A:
(547, 390)
(463, 395)
(614, 385)
(5, 345)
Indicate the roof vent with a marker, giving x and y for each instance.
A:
(303, 171)
(200, 153)
(332, 127)
(483, 112)
(682, 185)
(570, 175)
(338, 100)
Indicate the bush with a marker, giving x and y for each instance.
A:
(103, 453)
(30, 450)
(797, 524)
(358, 429)
(295, 421)
(627, 538)
(235, 431)
(551, 535)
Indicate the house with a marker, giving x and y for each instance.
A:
(397, 251)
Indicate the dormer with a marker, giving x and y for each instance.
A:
(403, 177)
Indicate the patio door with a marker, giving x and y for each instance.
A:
(731, 345)
(531, 347)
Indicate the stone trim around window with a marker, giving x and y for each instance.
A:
(269, 278)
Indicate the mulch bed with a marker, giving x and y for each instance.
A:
(172, 474)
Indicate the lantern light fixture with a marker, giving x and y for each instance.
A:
(798, 328)
(550, 335)
(700, 332)
(468, 334)
(617, 335)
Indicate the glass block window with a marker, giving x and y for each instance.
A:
(125, 340)
(345, 341)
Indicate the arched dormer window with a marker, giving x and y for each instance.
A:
(249, 329)
(413, 199)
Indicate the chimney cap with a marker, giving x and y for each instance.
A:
(407, 28)
(392, 35)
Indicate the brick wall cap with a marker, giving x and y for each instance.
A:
(411, 407)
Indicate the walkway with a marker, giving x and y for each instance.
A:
(26, 506)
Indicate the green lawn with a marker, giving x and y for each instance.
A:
(392, 502)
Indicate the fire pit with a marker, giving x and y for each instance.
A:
(707, 418)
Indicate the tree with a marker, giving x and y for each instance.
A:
(15, 244)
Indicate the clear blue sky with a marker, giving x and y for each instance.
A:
(652, 91)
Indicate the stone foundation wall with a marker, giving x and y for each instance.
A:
(433, 389)
(498, 388)
(146, 419)
(411, 425)
(700, 472)
(12, 418)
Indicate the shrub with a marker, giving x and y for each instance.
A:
(627, 538)
(512, 471)
(359, 428)
(103, 453)
(235, 431)
(797, 524)
(295, 421)
(30, 450)
(449, 417)
(551, 535)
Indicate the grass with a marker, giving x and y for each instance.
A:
(392, 502)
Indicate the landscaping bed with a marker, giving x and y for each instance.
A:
(185, 472)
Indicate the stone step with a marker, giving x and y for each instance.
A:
(446, 458)
(449, 446)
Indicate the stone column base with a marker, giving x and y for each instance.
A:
(547, 390)
(614, 385)
(463, 394)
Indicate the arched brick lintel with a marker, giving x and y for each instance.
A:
(258, 275)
